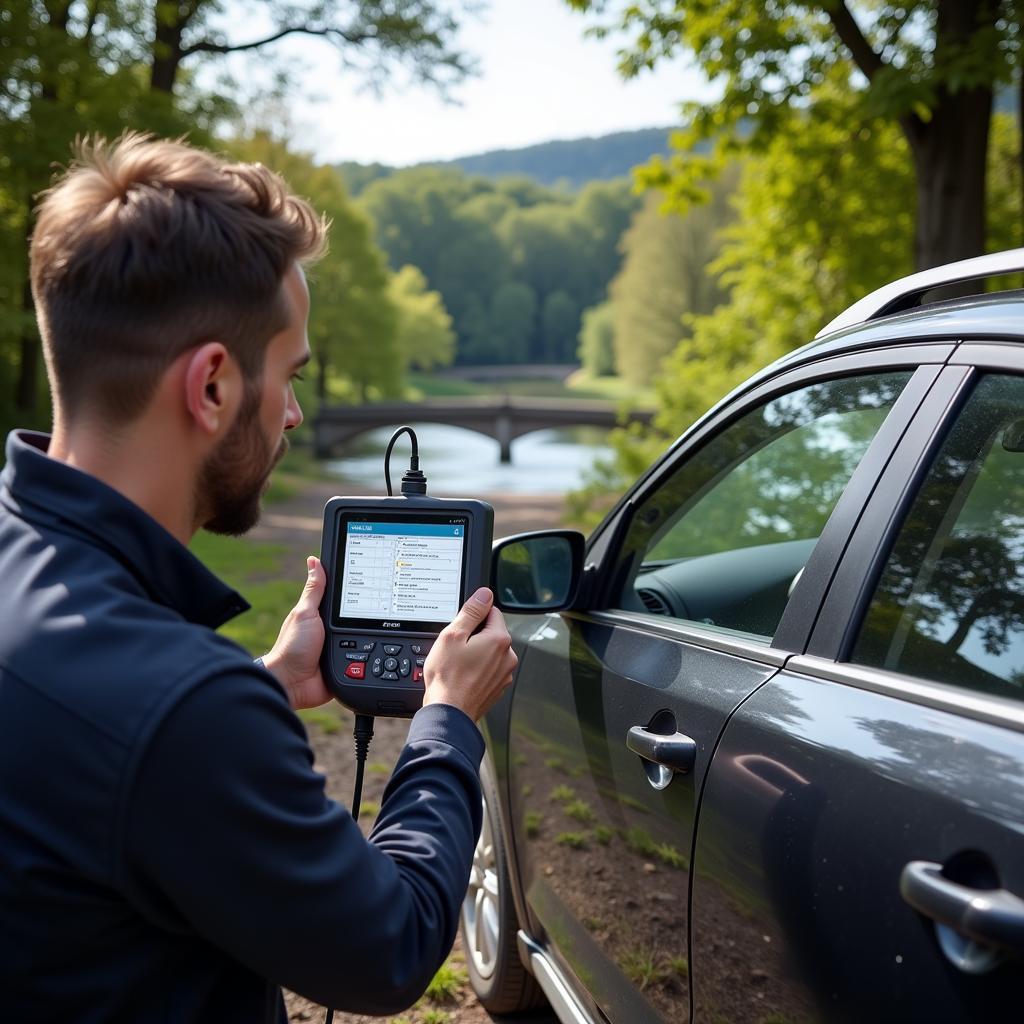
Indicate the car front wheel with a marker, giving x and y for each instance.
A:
(488, 920)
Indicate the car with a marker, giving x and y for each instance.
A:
(763, 759)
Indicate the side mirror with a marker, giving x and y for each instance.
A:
(537, 572)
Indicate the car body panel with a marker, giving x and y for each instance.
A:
(818, 796)
(603, 856)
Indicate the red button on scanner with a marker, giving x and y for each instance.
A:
(417, 675)
(356, 670)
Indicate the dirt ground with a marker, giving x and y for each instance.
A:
(296, 524)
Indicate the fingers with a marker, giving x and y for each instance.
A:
(473, 612)
(313, 590)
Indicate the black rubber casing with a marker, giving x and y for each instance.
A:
(374, 696)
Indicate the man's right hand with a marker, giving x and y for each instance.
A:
(471, 670)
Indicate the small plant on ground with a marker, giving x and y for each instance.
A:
(378, 768)
(642, 968)
(445, 985)
(532, 822)
(323, 718)
(556, 764)
(562, 793)
(639, 841)
(527, 790)
(574, 840)
(680, 965)
(369, 809)
(433, 1016)
(668, 854)
(579, 810)
(603, 834)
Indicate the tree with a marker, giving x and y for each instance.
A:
(70, 68)
(353, 324)
(513, 322)
(597, 340)
(664, 277)
(425, 335)
(371, 37)
(929, 67)
(559, 324)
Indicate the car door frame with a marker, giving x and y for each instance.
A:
(856, 576)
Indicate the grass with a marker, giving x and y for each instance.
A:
(369, 809)
(444, 986)
(433, 1016)
(578, 385)
(532, 822)
(562, 793)
(579, 810)
(574, 840)
(378, 768)
(603, 835)
(327, 718)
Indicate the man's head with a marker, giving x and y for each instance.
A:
(149, 256)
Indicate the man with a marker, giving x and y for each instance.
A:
(166, 850)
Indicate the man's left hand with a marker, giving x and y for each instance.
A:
(295, 657)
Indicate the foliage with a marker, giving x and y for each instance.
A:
(353, 327)
(515, 263)
(927, 67)
(445, 985)
(425, 336)
(823, 217)
(76, 68)
(597, 340)
(664, 278)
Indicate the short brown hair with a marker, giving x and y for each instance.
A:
(146, 248)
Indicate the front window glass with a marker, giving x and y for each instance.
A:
(723, 540)
(950, 603)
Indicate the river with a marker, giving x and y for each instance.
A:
(462, 462)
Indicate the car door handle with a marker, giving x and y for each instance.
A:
(677, 752)
(992, 916)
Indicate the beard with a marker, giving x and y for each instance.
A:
(235, 475)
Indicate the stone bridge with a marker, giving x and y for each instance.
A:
(504, 418)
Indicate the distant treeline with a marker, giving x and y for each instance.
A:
(516, 263)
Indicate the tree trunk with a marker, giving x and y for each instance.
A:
(950, 153)
(169, 25)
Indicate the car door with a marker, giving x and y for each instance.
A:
(616, 709)
(860, 849)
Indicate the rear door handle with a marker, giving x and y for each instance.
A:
(992, 916)
(677, 753)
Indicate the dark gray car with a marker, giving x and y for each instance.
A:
(767, 762)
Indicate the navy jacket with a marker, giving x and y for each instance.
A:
(167, 852)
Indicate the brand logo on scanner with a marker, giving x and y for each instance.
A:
(391, 625)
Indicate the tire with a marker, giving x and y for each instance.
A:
(488, 920)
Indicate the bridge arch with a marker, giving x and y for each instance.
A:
(503, 419)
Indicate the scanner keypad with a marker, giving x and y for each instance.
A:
(388, 662)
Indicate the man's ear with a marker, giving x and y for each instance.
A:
(213, 387)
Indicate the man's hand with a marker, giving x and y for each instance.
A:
(295, 657)
(471, 670)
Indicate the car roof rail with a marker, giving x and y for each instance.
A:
(904, 294)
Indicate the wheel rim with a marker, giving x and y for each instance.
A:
(481, 917)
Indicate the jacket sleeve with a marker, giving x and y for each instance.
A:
(227, 833)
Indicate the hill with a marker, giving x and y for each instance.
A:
(568, 162)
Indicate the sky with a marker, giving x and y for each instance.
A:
(540, 78)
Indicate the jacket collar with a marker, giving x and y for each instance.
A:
(51, 493)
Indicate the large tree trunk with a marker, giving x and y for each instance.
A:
(950, 153)
(169, 24)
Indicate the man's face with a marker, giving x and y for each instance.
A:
(237, 473)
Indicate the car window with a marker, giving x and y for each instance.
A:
(950, 602)
(722, 541)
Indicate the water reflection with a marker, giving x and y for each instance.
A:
(462, 462)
